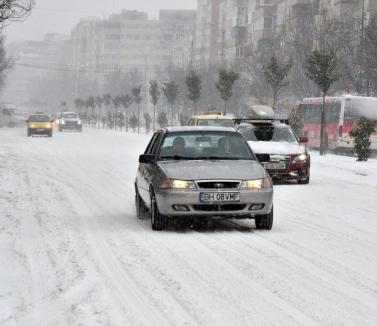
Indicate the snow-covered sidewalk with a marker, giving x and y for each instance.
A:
(73, 253)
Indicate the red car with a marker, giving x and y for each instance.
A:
(284, 156)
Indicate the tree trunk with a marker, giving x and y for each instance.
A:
(138, 118)
(126, 114)
(323, 135)
(225, 103)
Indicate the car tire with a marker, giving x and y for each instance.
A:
(60, 129)
(141, 208)
(304, 182)
(28, 132)
(50, 134)
(158, 221)
(265, 222)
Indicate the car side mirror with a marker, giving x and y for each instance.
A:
(303, 139)
(146, 158)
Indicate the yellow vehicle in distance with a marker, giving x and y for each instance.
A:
(211, 118)
(39, 124)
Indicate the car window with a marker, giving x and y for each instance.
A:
(216, 122)
(155, 144)
(39, 118)
(203, 145)
(269, 133)
(151, 143)
(70, 116)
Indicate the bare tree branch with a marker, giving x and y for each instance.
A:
(14, 10)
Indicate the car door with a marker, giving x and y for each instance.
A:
(146, 170)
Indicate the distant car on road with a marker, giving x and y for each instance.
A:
(39, 124)
(284, 156)
(212, 119)
(202, 172)
(69, 121)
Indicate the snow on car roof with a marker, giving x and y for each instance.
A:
(197, 128)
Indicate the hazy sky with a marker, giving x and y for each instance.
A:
(60, 16)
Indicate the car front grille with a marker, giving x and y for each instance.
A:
(218, 184)
(270, 158)
(219, 208)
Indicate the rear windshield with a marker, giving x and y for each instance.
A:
(205, 145)
(39, 118)
(269, 133)
(216, 122)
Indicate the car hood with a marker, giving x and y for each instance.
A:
(207, 170)
(281, 148)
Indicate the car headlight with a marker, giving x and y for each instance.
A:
(49, 125)
(256, 184)
(300, 158)
(79, 122)
(178, 184)
(62, 122)
(32, 126)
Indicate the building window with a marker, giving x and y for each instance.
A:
(268, 22)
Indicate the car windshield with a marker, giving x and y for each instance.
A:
(269, 133)
(216, 122)
(205, 145)
(39, 118)
(70, 115)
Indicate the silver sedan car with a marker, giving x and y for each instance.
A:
(202, 172)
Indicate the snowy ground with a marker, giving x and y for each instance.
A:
(73, 253)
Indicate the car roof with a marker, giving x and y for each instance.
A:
(38, 113)
(68, 112)
(261, 123)
(213, 117)
(198, 128)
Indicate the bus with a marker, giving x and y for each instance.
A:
(342, 112)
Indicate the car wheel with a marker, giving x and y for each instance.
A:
(28, 132)
(158, 221)
(60, 129)
(141, 208)
(304, 182)
(265, 222)
(50, 134)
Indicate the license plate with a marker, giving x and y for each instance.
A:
(219, 197)
(275, 166)
(40, 130)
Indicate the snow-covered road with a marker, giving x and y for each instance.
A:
(73, 253)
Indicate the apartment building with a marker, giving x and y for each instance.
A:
(206, 33)
(177, 32)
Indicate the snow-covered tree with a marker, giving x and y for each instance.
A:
(225, 85)
(361, 135)
(148, 121)
(136, 93)
(276, 73)
(154, 92)
(162, 119)
(134, 121)
(194, 88)
(322, 70)
(296, 122)
(170, 91)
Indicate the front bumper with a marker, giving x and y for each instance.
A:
(168, 200)
(295, 171)
(40, 131)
